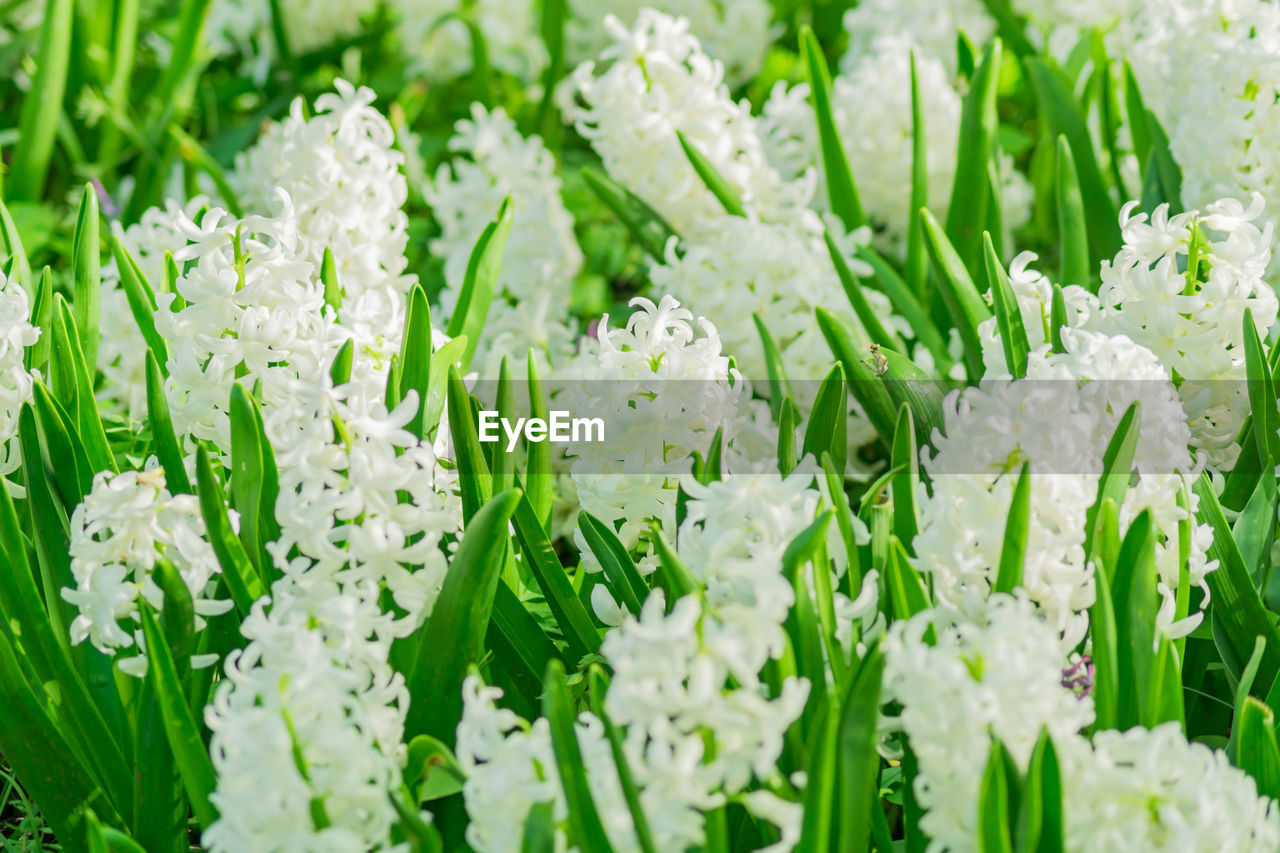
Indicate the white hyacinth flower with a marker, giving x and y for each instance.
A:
(999, 677)
(16, 334)
(125, 524)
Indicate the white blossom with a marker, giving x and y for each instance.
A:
(125, 524)
(998, 677)
(16, 334)
(531, 305)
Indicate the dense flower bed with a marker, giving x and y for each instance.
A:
(932, 348)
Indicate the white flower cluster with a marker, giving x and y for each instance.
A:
(245, 27)
(737, 34)
(1059, 421)
(307, 727)
(124, 525)
(437, 37)
(1144, 789)
(658, 81)
(531, 306)
(662, 392)
(1207, 70)
(1194, 323)
(689, 742)
(121, 348)
(1151, 789)
(871, 102)
(343, 175)
(16, 334)
(733, 537)
(998, 677)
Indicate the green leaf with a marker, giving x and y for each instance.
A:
(1262, 395)
(67, 360)
(1072, 232)
(710, 175)
(415, 357)
(1040, 825)
(1117, 467)
(539, 834)
(1234, 599)
(955, 286)
(1136, 602)
(448, 356)
(993, 803)
(142, 303)
(518, 643)
(967, 211)
(475, 483)
(841, 190)
(340, 369)
(329, 277)
(906, 303)
(1062, 116)
(917, 265)
(1102, 621)
(650, 231)
(779, 386)
(821, 770)
(626, 779)
(906, 485)
(1162, 179)
(481, 281)
(673, 573)
(1011, 27)
(191, 151)
(73, 475)
(802, 622)
(853, 289)
(431, 772)
(1013, 334)
(624, 580)
(1245, 684)
(586, 832)
(862, 382)
(908, 385)
(37, 355)
(1258, 753)
(551, 24)
(11, 243)
(167, 449)
(458, 621)
(254, 479)
(858, 763)
(908, 594)
(42, 106)
(86, 265)
(539, 480)
(39, 755)
(1013, 553)
(828, 421)
(188, 748)
(788, 423)
(540, 558)
(1058, 319)
(243, 581)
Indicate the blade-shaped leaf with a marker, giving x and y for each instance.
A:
(480, 283)
(842, 192)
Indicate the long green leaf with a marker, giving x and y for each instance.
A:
(586, 832)
(1117, 465)
(1063, 117)
(828, 421)
(1013, 334)
(842, 192)
(458, 622)
(254, 479)
(647, 227)
(475, 483)
(1073, 239)
(955, 286)
(970, 191)
(168, 451)
(42, 105)
(863, 384)
(1259, 756)
(861, 307)
(1013, 554)
(180, 724)
(710, 175)
(86, 265)
(624, 580)
(243, 581)
(142, 303)
(480, 283)
(415, 357)
(857, 760)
